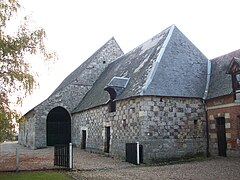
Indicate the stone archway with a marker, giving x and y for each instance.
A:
(58, 126)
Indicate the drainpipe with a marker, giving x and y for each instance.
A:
(209, 66)
(207, 128)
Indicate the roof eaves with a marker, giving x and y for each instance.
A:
(156, 63)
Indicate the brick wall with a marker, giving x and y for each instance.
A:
(220, 100)
(230, 111)
(166, 127)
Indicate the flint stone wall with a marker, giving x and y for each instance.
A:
(166, 127)
(32, 132)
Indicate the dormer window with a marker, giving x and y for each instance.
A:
(115, 87)
(234, 71)
(111, 102)
(238, 78)
(236, 82)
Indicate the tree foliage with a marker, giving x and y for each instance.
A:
(16, 78)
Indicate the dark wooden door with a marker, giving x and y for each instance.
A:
(221, 136)
(83, 141)
(107, 142)
(58, 127)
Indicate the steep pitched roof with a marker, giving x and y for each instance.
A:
(74, 76)
(220, 81)
(166, 65)
(181, 71)
(75, 86)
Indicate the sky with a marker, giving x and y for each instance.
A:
(77, 28)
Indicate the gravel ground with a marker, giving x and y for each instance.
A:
(96, 166)
(217, 168)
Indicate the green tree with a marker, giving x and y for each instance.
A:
(16, 78)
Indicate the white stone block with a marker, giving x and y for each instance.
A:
(228, 135)
(229, 146)
(142, 113)
(155, 108)
(211, 117)
(150, 103)
(227, 115)
(227, 125)
(213, 135)
(212, 126)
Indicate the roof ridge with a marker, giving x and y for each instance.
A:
(227, 54)
(156, 63)
(86, 62)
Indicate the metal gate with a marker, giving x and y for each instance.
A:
(63, 155)
(134, 153)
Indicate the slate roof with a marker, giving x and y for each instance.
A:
(166, 65)
(74, 76)
(109, 51)
(220, 81)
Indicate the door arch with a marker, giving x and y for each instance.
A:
(58, 126)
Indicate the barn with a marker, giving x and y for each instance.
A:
(162, 95)
(50, 122)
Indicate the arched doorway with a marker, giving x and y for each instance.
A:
(58, 127)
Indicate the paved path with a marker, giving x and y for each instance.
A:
(95, 166)
(29, 159)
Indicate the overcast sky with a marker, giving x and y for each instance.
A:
(77, 28)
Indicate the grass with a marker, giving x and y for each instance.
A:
(41, 175)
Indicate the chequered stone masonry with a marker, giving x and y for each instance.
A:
(166, 127)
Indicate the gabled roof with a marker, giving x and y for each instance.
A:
(75, 86)
(76, 75)
(166, 65)
(181, 71)
(220, 81)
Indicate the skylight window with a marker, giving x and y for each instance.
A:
(118, 82)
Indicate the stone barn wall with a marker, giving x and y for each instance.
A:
(166, 127)
(68, 96)
(26, 130)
